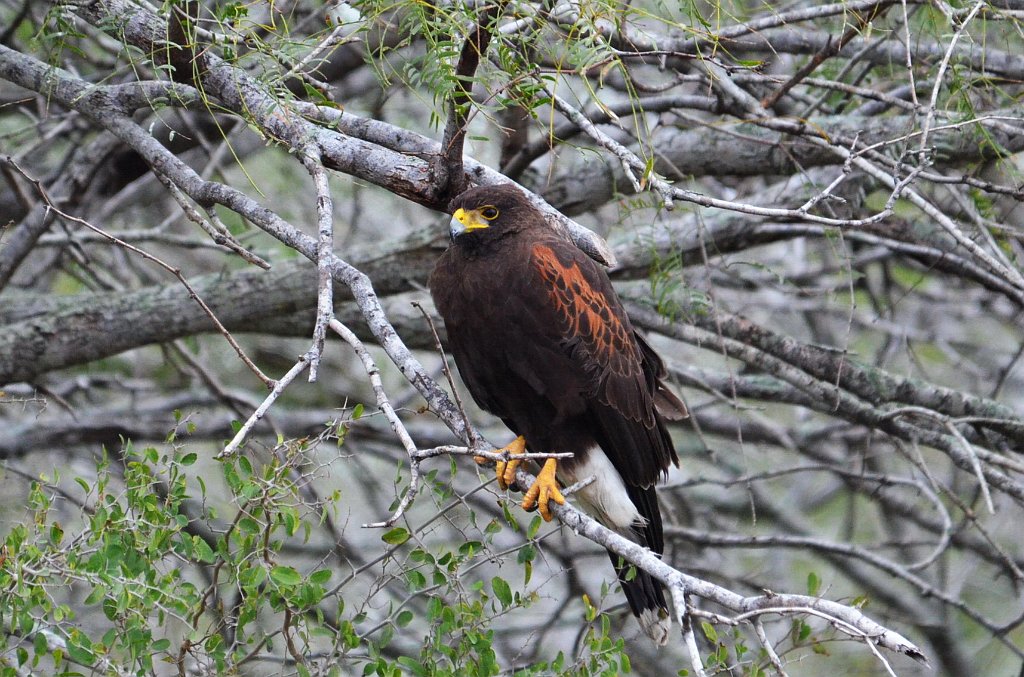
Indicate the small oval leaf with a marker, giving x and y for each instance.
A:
(285, 575)
(396, 536)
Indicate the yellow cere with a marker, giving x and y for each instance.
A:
(470, 219)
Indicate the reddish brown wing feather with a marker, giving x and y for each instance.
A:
(594, 323)
(586, 314)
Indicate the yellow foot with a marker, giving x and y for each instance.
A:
(545, 489)
(507, 470)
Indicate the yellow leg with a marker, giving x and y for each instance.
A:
(507, 470)
(545, 489)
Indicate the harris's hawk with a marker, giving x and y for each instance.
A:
(542, 341)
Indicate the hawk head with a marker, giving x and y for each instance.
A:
(486, 213)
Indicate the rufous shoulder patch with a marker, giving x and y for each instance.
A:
(584, 311)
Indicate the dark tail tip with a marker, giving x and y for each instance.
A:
(646, 597)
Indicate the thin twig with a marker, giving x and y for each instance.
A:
(211, 225)
(830, 50)
(278, 388)
(681, 604)
(324, 250)
(471, 435)
(773, 657)
(384, 404)
(939, 82)
(964, 444)
(267, 381)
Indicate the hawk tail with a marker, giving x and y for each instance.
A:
(644, 592)
(646, 598)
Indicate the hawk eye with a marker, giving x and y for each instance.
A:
(489, 213)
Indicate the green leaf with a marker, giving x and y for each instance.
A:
(420, 556)
(189, 458)
(412, 666)
(404, 618)
(213, 642)
(291, 521)
(95, 596)
(283, 575)
(56, 533)
(203, 551)
(320, 577)
(253, 577)
(813, 583)
(534, 527)
(386, 635)
(470, 548)
(502, 591)
(396, 536)
(434, 608)
(80, 649)
(417, 581)
(709, 631)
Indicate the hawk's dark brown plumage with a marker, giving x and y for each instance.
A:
(542, 341)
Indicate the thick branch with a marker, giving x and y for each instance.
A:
(748, 149)
(448, 171)
(41, 335)
(770, 603)
(404, 171)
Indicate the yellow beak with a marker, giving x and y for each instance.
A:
(465, 220)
